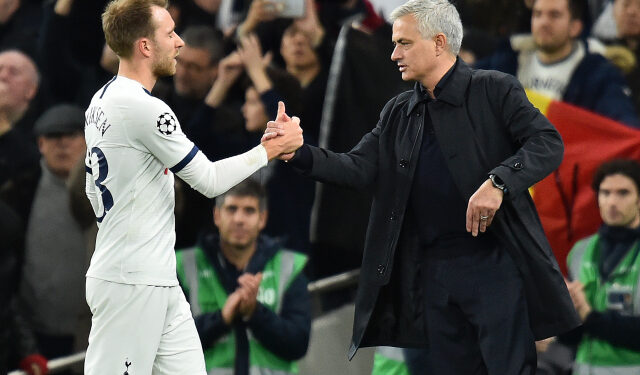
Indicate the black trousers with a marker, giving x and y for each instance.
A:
(476, 317)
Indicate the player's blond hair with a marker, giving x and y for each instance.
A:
(125, 21)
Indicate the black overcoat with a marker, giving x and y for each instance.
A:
(484, 124)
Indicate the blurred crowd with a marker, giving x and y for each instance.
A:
(329, 61)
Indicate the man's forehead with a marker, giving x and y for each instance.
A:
(240, 200)
(162, 18)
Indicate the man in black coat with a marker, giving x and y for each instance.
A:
(450, 164)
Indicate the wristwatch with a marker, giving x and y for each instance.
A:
(498, 183)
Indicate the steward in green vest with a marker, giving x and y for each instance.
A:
(248, 295)
(605, 268)
(389, 360)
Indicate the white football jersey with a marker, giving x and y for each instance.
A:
(134, 147)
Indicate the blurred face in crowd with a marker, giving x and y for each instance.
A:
(18, 81)
(255, 115)
(619, 201)
(62, 152)
(552, 26)
(194, 73)
(627, 15)
(239, 221)
(296, 49)
(166, 43)
(415, 55)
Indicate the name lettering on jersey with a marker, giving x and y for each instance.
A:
(97, 118)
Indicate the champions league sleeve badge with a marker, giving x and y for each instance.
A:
(166, 123)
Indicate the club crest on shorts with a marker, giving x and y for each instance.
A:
(166, 123)
(126, 371)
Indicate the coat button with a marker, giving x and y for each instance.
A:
(417, 114)
(517, 165)
(381, 269)
(403, 163)
(393, 216)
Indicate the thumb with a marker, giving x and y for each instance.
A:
(282, 116)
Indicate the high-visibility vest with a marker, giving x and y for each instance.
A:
(207, 294)
(389, 360)
(620, 292)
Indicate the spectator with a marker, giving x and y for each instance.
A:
(196, 71)
(19, 25)
(307, 56)
(389, 360)
(624, 42)
(247, 293)
(16, 342)
(560, 65)
(604, 269)
(18, 86)
(51, 292)
(72, 74)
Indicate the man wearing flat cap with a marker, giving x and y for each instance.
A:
(51, 291)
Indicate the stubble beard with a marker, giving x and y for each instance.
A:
(164, 67)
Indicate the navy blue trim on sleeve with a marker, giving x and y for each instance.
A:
(183, 163)
(88, 169)
(107, 85)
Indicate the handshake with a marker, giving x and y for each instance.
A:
(283, 136)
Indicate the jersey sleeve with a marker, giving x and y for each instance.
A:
(159, 132)
(90, 187)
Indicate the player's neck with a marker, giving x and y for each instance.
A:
(137, 72)
(238, 256)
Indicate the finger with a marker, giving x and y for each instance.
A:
(266, 59)
(296, 120)
(475, 223)
(275, 125)
(469, 221)
(281, 112)
(484, 223)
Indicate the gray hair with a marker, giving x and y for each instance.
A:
(434, 16)
(206, 38)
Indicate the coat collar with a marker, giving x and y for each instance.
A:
(452, 90)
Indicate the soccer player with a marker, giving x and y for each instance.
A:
(141, 322)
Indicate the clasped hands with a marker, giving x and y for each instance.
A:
(283, 136)
(244, 300)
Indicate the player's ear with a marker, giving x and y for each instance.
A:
(144, 46)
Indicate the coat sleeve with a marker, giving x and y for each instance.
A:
(285, 334)
(357, 169)
(539, 147)
(210, 328)
(617, 329)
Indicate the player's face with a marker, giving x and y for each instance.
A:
(414, 55)
(552, 26)
(619, 201)
(194, 72)
(166, 43)
(62, 152)
(255, 116)
(239, 221)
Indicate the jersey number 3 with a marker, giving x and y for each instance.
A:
(103, 170)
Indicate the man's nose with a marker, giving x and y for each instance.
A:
(395, 55)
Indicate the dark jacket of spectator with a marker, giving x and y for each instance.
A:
(595, 85)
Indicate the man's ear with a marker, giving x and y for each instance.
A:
(144, 46)
(575, 28)
(264, 216)
(216, 216)
(441, 43)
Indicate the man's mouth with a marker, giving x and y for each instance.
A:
(402, 67)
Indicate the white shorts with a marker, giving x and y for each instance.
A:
(150, 328)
